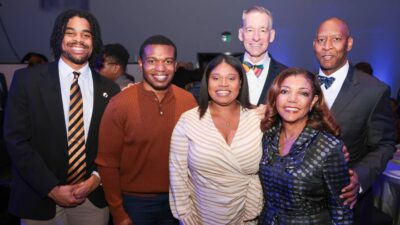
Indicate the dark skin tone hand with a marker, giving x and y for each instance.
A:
(73, 195)
(63, 196)
(350, 192)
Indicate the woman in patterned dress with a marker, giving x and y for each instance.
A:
(302, 170)
(215, 152)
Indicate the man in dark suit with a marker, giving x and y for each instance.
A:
(360, 104)
(51, 129)
(256, 34)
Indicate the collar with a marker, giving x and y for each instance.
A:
(168, 94)
(302, 141)
(265, 61)
(65, 70)
(339, 74)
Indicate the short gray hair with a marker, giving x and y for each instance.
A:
(259, 9)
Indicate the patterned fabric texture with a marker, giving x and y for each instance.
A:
(303, 187)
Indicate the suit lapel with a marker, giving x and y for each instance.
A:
(100, 100)
(50, 91)
(349, 89)
(272, 73)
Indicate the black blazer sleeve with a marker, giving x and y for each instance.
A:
(380, 141)
(18, 135)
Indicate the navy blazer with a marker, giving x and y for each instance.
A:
(36, 138)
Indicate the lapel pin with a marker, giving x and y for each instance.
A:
(105, 95)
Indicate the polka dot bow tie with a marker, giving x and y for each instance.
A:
(326, 81)
(257, 69)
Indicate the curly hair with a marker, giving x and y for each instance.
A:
(156, 40)
(59, 28)
(242, 98)
(319, 118)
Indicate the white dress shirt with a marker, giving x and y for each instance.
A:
(85, 82)
(256, 84)
(332, 92)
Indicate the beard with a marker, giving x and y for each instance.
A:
(75, 60)
(79, 61)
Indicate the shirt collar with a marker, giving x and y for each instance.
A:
(264, 61)
(65, 70)
(168, 94)
(338, 74)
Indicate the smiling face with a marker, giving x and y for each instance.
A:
(77, 44)
(158, 67)
(256, 34)
(295, 99)
(332, 44)
(224, 84)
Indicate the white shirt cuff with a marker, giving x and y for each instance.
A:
(97, 175)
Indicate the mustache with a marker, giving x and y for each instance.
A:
(77, 43)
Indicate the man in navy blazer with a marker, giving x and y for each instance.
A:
(36, 127)
(256, 34)
(360, 104)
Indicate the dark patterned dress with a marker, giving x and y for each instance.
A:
(303, 187)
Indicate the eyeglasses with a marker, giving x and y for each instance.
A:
(100, 64)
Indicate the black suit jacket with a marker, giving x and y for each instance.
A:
(36, 138)
(275, 68)
(362, 109)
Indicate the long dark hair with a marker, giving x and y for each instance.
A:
(60, 25)
(242, 98)
(319, 117)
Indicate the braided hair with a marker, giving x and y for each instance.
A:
(60, 26)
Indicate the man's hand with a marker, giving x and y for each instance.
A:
(126, 221)
(346, 153)
(63, 196)
(127, 86)
(350, 192)
(84, 188)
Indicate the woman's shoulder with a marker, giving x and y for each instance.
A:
(191, 113)
(329, 138)
(190, 116)
(329, 144)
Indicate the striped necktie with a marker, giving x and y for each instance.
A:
(257, 69)
(76, 135)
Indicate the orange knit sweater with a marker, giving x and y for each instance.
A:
(134, 141)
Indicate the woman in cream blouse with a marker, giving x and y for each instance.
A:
(215, 152)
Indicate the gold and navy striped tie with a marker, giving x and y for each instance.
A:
(76, 135)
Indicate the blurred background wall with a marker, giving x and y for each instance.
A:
(196, 26)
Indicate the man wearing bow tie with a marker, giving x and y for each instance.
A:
(361, 106)
(51, 129)
(261, 69)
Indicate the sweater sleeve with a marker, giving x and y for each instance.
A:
(180, 199)
(335, 172)
(108, 159)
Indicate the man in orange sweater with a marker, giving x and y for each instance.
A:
(134, 139)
